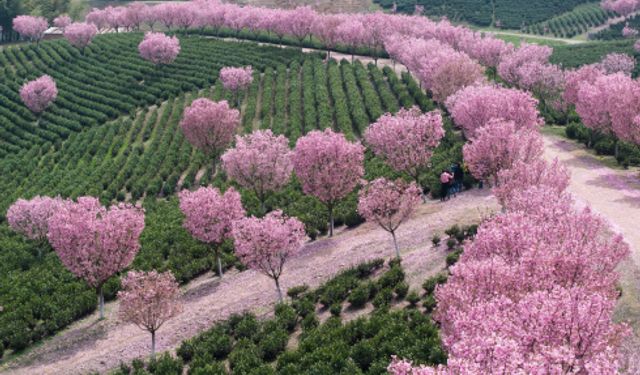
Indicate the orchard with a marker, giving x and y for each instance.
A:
(212, 174)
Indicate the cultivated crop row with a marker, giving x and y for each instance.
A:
(108, 80)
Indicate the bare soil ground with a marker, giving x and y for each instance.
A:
(89, 345)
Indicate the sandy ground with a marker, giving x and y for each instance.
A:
(89, 345)
(615, 195)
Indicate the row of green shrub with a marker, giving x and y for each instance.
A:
(512, 14)
(626, 154)
(575, 22)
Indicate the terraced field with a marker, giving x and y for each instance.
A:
(107, 81)
(575, 22)
(147, 155)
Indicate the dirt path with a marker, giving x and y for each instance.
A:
(615, 195)
(89, 346)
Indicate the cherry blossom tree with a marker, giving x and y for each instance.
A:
(93, 242)
(62, 21)
(80, 35)
(209, 216)
(618, 63)
(38, 94)
(31, 27)
(389, 204)
(406, 140)
(487, 49)
(522, 175)
(473, 107)
(266, 244)
(636, 46)
(498, 146)
(328, 166)
(300, 21)
(210, 126)
(158, 48)
(545, 81)
(610, 105)
(137, 14)
(575, 78)
(450, 73)
(325, 28)
(352, 34)
(31, 217)
(148, 300)
(510, 65)
(530, 280)
(261, 162)
(98, 17)
(236, 80)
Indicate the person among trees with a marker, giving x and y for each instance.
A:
(445, 183)
(458, 177)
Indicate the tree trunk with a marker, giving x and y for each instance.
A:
(217, 251)
(279, 290)
(263, 207)
(422, 194)
(330, 207)
(395, 243)
(153, 345)
(101, 302)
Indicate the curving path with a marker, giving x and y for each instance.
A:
(90, 346)
(615, 195)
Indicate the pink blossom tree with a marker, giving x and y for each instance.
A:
(98, 17)
(636, 46)
(80, 35)
(509, 67)
(389, 204)
(522, 175)
(266, 244)
(299, 22)
(31, 217)
(93, 242)
(530, 280)
(148, 300)
(261, 162)
(62, 21)
(209, 216)
(473, 107)
(487, 49)
(618, 63)
(406, 140)
(328, 166)
(236, 80)
(31, 27)
(498, 146)
(38, 94)
(210, 126)
(325, 28)
(575, 78)
(352, 34)
(159, 49)
(451, 73)
(545, 81)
